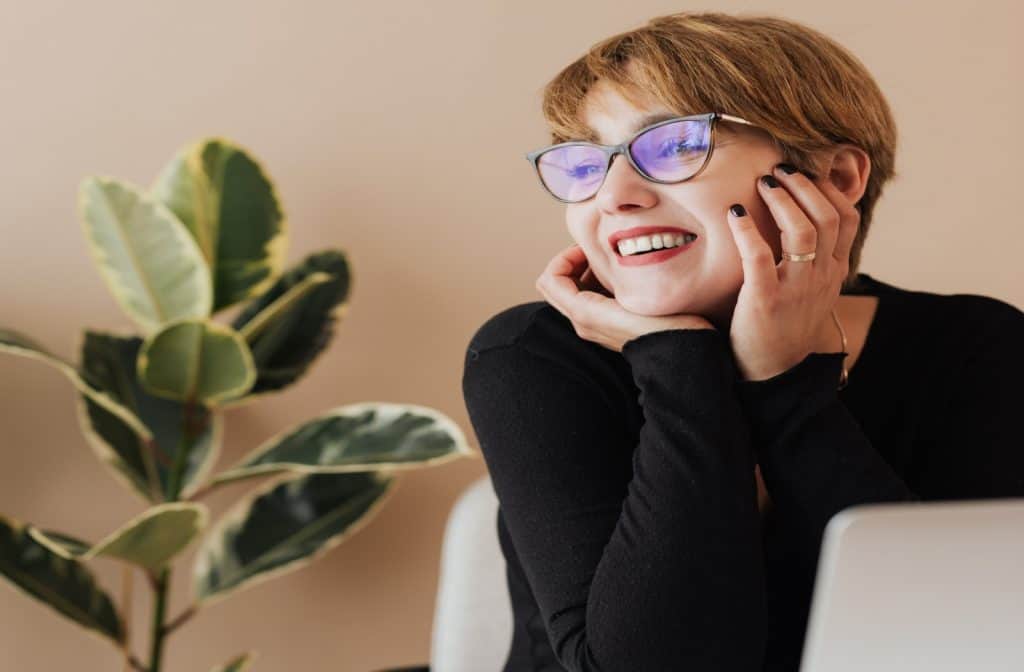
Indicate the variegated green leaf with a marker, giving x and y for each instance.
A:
(237, 664)
(17, 343)
(283, 527)
(147, 258)
(227, 202)
(110, 361)
(154, 537)
(196, 360)
(293, 321)
(282, 304)
(62, 544)
(150, 540)
(358, 437)
(62, 583)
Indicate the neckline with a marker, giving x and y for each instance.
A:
(869, 286)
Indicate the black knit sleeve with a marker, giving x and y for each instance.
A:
(816, 460)
(658, 569)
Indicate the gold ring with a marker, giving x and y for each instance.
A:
(798, 257)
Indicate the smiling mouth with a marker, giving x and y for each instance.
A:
(635, 247)
(655, 256)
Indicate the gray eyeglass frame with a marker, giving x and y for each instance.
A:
(710, 118)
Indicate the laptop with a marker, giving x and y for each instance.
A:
(920, 587)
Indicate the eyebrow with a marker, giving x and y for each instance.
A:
(653, 119)
(642, 123)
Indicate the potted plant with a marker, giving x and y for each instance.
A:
(210, 234)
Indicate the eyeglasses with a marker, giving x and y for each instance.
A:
(668, 152)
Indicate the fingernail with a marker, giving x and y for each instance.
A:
(787, 168)
(737, 210)
(769, 181)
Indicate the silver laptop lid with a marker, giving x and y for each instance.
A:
(920, 587)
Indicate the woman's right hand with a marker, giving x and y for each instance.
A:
(596, 315)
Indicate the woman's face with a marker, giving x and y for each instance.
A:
(704, 279)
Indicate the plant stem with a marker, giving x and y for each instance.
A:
(179, 620)
(163, 578)
(163, 581)
(200, 493)
(126, 611)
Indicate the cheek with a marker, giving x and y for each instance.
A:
(582, 224)
(722, 263)
(578, 224)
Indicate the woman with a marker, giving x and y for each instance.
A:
(709, 378)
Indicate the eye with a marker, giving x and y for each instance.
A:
(584, 170)
(676, 146)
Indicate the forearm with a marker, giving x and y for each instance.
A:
(684, 565)
(814, 457)
(661, 568)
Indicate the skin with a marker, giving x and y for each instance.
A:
(733, 279)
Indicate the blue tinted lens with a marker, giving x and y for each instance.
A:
(672, 151)
(572, 172)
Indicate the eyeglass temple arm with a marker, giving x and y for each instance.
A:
(738, 120)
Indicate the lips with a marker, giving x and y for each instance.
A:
(655, 256)
(613, 240)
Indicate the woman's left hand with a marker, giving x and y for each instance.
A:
(781, 307)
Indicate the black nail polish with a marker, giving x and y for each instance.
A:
(769, 181)
(737, 210)
(787, 168)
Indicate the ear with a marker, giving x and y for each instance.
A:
(848, 167)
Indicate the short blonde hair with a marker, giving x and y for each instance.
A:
(809, 92)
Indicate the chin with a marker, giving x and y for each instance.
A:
(651, 306)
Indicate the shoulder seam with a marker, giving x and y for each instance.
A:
(566, 370)
(515, 341)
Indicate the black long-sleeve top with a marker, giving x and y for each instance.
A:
(628, 513)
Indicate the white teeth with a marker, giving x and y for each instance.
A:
(656, 241)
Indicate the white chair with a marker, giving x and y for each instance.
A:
(472, 629)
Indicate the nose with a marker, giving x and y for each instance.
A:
(624, 188)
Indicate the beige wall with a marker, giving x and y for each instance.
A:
(396, 132)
